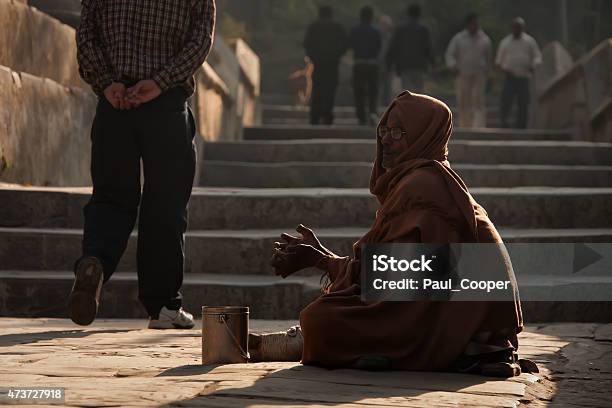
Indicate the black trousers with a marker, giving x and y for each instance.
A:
(515, 88)
(160, 133)
(365, 87)
(324, 84)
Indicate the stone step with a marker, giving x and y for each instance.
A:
(44, 294)
(304, 121)
(287, 101)
(492, 122)
(289, 132)
(244, 251)
(460, 151)
(243, 208)
(302, 113)
(356, 174)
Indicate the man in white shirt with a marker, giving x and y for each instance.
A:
(517, 56)
(469, 54)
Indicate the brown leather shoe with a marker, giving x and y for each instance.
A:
(84, 298)
(280, 346)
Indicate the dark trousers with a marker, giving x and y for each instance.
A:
(324, 84)
(161, 134)
(365, 87)
(515, 88)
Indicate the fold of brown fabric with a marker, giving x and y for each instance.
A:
(421, 200)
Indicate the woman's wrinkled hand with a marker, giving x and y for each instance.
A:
(288, 259)
(308, 238)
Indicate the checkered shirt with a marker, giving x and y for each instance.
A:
(130, 40)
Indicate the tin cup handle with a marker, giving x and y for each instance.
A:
(223, 319)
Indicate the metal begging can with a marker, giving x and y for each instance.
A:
(225, 334)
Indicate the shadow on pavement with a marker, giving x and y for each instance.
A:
(305, 385)
(28, 338)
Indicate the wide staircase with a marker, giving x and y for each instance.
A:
(537, 186)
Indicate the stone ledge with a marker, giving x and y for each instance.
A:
(47, 126)
(34, 42)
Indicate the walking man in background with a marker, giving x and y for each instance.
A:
(469, 55)
(325, 43)
(410, 51)
(366, 42)
(385, 25)
(140, 60)
(517, 56)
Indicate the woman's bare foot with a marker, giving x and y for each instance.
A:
(279, 346)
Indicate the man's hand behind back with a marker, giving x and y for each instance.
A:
(144, 91)
(121, 98)
(115, 94)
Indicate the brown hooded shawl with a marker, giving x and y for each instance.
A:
(421, 200)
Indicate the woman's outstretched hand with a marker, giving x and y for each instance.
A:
(308, 238)
(288, 259)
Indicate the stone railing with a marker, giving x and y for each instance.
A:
(238, 67)
(46, 110)
(250, 79)
(556, 62)
(582, 97)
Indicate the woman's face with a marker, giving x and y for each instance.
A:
(392, 149)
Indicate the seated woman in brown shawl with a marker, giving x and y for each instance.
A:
(422, 200)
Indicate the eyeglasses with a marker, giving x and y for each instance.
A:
(395, 133)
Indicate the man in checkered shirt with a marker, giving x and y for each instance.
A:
(139, 58)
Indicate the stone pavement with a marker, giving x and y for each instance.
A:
(117, 363)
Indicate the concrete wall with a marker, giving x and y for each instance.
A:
(33, 42)
(44, 131)
(581, 97)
